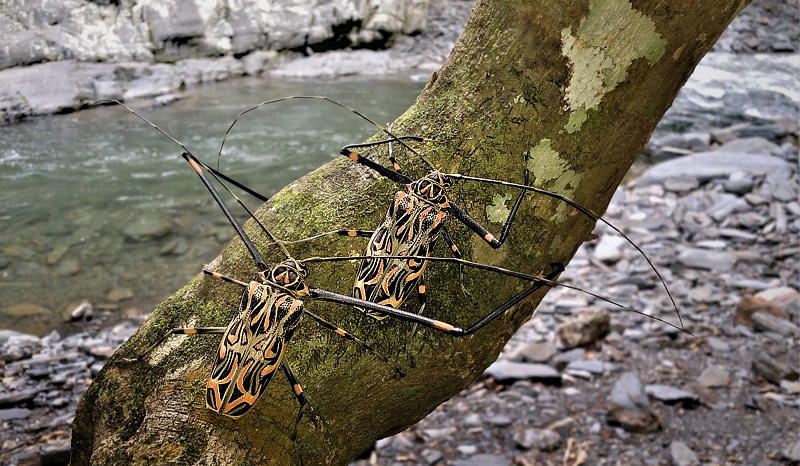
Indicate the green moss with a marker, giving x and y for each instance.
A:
(409, 392)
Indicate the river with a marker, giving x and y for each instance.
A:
(97, 206)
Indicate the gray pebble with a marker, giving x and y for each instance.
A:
(714, 376)
(718, 345)
(539, 439)
(669, 394)
(682, 455)
(506, 371)
(14, 413)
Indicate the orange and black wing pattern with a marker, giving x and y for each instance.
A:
(252, 348)
(409, 228)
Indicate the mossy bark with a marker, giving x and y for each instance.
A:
(573, 90)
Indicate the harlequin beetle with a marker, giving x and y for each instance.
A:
(254, 342)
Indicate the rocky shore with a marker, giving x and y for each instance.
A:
(81, 51)
(581, 383)
(60, 65)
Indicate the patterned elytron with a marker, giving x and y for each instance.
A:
(410, 227)
(253, 346)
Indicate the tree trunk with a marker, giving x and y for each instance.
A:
(576, 86)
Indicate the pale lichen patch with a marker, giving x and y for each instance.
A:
(553, 173)
(497, 211)
(544, 163)
(599, 59)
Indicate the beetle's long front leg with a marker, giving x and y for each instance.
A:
(473, 225)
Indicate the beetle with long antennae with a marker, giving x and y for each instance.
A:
(255, 341)
(415, 220)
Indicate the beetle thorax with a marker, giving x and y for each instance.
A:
(432, 188)
(289, 274)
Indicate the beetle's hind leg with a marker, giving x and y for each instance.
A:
(297, 391)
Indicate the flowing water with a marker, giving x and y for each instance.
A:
(97, 206)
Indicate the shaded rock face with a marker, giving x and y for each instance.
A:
(124, 30)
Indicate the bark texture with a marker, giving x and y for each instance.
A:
(576, 86)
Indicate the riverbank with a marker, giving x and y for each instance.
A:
(49, 84)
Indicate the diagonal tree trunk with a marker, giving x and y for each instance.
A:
(577, 86)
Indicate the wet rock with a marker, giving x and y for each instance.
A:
(539, 439)
(56, 254)
(69, 267)
(681, 455)
(146, 228)
(176, 247)
(750, 305)
(714, 376)
(629, 406)
(773, 370)
(119, 294)
(505, 372)
(768, 323)
(585, 329)
(79, 311)
(25, 310)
